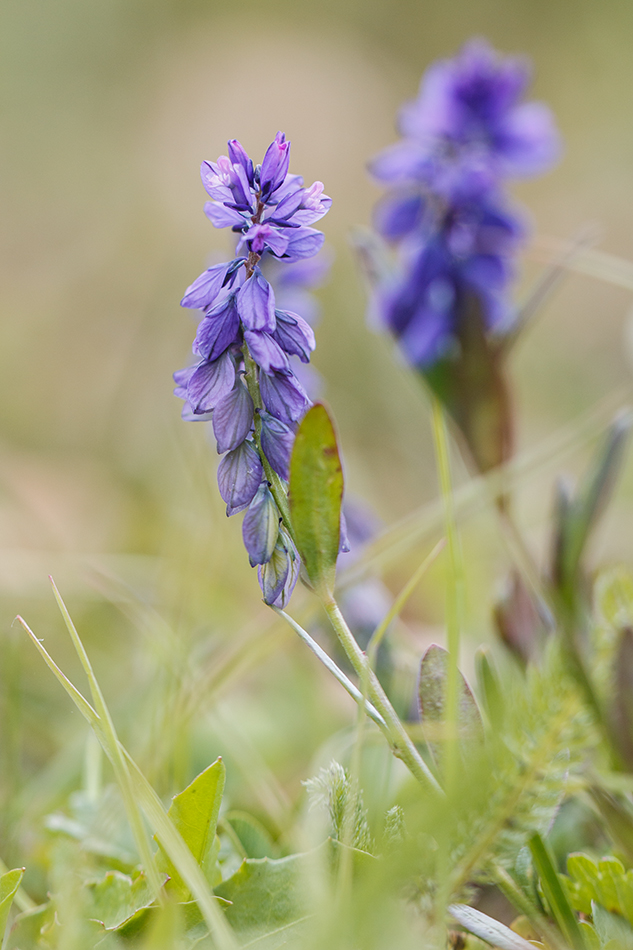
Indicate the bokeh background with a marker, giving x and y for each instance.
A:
(108, 108)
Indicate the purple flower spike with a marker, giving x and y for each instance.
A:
(209, 383)
(239, 475)
(256, 303)
(218, 330)
(260, 527)
(294, 335)
(283, 396)
(275, 166)
(276, 440)
(233, 418)
(266, 351)
(202, 293)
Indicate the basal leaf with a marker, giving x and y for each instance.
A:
(9, 884)
(195, 812)
(316, 494)
(253, 837)
(117, 898)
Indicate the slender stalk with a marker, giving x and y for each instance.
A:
(338, 674)
(400, 742)
(454, 596)
(518, 899)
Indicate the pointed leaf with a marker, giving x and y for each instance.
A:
(432, 695)
(316, 493)
(555, 895)
(9, 884)
(195, 812)
(117, 898)
(254, 838)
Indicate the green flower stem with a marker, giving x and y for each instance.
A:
(454, 599)
(401, 743)
(277, 488)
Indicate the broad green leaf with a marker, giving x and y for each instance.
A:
(487, 928)
(118, 898)
(195, 812)
(555, 895)
(316, 494)
(611, 928)
(253, 837)
(432, 696)
(605, 882)
(268, 893)
(9, 884)
(30, 925)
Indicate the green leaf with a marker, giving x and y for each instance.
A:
(195, 813)
(555, 895)
(489, 687)
(266, 893)
(316, 494)
(253, 837)
(487, 928)
(9, 884)
(612, 928)
(432, 696)
(117, 898)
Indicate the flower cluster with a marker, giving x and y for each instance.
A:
(243, 379)
(465, 135)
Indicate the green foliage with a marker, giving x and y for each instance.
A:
(9, 884)
(194, 813)
(432, 690)
(316, 494)
(117, 899)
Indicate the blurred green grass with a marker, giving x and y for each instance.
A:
(108, 108)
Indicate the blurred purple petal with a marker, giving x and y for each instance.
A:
(283, 396)
(210, 382)
(303, 242)
(222, 217)
(294, 335)
(256, 303)
(260, 527)
(218, 330)
(277, 440)
(239, 475)
(233, 418)
(274, 166)
(202, 293)
(266, 351)
(398, 213)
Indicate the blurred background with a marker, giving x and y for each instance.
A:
(108, 108)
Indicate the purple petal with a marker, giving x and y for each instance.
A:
(260, 236)
(233, 418)
(398, 213)
(210, 382)
(260, 528)
(294, 335)
(238, 156)
(404, 161)
(277, 440)
(266, 351)
(202, 293)
(277, 578)
(344, 546)
(274, 166)
(283, 396)
(314, 205)
(303, 242)
(218, 330)
(222, 217)
(239, 475)
(215, 178)
(285, 208)
(256, 303)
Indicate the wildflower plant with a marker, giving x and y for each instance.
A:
(486, 769)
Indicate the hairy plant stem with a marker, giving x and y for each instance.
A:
(401, 744)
